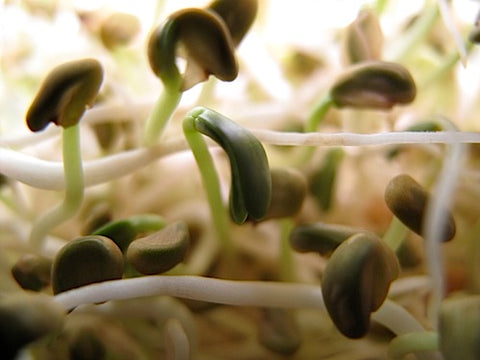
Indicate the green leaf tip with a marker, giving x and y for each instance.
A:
(408, 200)
(374, 85)
(356, 281)
(251, 188)
(67, 91)
(238, 15)
(207, 44)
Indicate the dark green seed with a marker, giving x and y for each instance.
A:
(86, 260)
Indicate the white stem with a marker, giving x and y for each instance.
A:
(435, 218)
(176, 341)
(229, 292)
(48, 175)
(352, 139)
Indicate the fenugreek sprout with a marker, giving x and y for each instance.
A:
(356, 281)
(251, 188)
(374, 85)
(407, 199)
(86, 260)
(160, 251)
(65, 94)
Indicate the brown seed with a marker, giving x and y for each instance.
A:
(356, 281)
(86, 260)
(161, 251)
(408, 200)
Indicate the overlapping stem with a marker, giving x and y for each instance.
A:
(74, 188)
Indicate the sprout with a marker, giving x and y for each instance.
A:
(374, 84)
(356, 281)
(364, 38)
(459, 328)
(62, 99)
(237, 14)
(206, 41)
(160, 251)
(27, 317)
(320, 237)
(209, 50)
(32, 272)
(124, 231)
(65, 94)
(407, 199)
(86, 260)
(251, 181)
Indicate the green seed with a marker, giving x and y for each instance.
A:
(161, 251)
(356, 281)
(407, 199)
(32, 272)
(65, 94)
(374, 85)
(320, 237)
(26, 317)
(251, 188)
(86, 260)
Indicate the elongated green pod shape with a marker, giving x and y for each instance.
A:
(374, 85)
(238, 15)
(459, 328)
(356, 281)
(408, 200)
(206, 41)
(65, 94)
(251, 187)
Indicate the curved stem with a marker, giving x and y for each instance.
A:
(228, 292)
(211, 184)
(74, 188)
(160, 114)
(414, 342)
